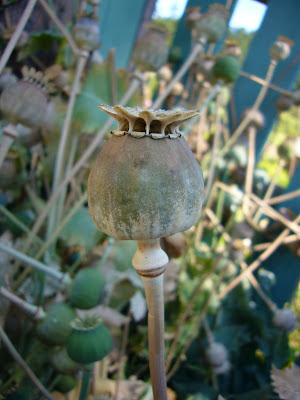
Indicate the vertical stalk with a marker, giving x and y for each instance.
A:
(188, 62)
(87, 373)
(150, 261)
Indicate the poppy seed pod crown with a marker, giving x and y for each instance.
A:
(145, 183)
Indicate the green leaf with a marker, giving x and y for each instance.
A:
(39, 41)
(80, 230)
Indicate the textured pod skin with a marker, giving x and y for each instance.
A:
(86, 346)
(62, 362)
(86, 288)
(55, 328)
(24, 103)
(65, 383)
(145, 188)
(87, 34)
(226, 68)
(151, 51)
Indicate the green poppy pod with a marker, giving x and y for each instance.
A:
(90, 341)
(65, 383)
(86, 288)
(145, 183)
(226, 68)
(61, 361)
(55, 328)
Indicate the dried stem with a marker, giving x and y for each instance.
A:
(16, 356)
(214, 152)
(258, 288)
(261, 95)
(121, 356)
(150, 261)
(9, 135)
(284, 197)
(17, 33)
(60, 26)
(35, 311)
(59, 162)
(88, 152)
(113, 75)
(31, 261)
(182, 319)
(188, 62)
(252, 267)
(208, 332)
(263, 82)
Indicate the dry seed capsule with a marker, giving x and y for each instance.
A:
(142, 188)
(212, 25)
(25, 102)
(281, 48)
(284, 103)
(192, 17)
(151, 51)
(87, 34)
(284, 320)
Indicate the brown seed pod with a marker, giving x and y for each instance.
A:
(151, 51)
(142, 188)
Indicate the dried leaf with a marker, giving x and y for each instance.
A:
(287, 382)
(138, 306)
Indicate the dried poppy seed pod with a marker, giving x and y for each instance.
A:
(233, 48)
(193, 15)
(256, 118)
(165, 73)
(212, 25)
(87, 34)
(284, 320)
(25, 102)
(140, 188)
(284, 103)
(281, 48)
(7, 78)
(151, 51)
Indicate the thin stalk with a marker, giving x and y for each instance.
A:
(16, 356)
(60, 26)
(88, 152)
(150, 262)
(112, 73)
(214, 152)
(284, 197)
(264, 246)
(59, 162)
(36, 312)
(269, 192)
(196, 328)
(250, 168)
(182, 319)
(121, 355)
(34, 263)
(87, 374)
(252, 267)
(208, 332)
(258, 288)
(155, 301)
(198, 47)
(18, 223)
(261, 95)
(17, 33)
(263, 82)
(9, 135)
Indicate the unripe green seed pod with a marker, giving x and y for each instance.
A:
(89, 341)
(55, 328)
(65, 383)
(61, 361)
(86, 288)
(146, 183)
(226, 68)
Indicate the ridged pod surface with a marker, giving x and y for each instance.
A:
(141, 188)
